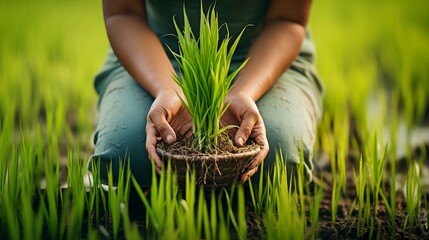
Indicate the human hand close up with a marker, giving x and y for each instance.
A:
(166, 117)
(244, 113)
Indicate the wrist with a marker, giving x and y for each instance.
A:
(239, 96)
(238, 92)
(172, 91)
(171, 96)
(249, 86)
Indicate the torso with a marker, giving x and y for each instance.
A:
(237, 14)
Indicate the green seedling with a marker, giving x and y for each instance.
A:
(392, 156)
(336, 194)
(203, 217)
(300, 185)
(131, 230)
(51, 216)
(118, 193)
(162, 204)
(9, 195)
(361, 185)
(413, 195)
(187, 223)
(258, 195)
(375, 167)
(283, 210)
(93, 198)
(238, 221)
(204, 79)
(314, 207)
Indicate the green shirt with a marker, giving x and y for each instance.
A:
(237, 14)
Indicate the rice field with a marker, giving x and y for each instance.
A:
(371, 153)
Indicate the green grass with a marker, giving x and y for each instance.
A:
(50, 51)
(370, 54)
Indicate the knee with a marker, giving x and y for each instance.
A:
(290, 152)
(119, 153)
(296, 170)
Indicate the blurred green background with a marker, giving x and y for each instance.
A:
(368, 51)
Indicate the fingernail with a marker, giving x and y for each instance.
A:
(169, 139)
(240, 141)
(245, 178)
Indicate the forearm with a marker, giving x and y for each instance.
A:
(271, 54)
(139, 50)
(275, 48)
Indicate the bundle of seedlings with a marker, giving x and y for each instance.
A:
(205, 81)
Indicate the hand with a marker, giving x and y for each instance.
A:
(166, 117)
(244, 113)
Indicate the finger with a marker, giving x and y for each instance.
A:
(151, 147)
(260, 157)
(244, 131)
(253, 168)
(260, 137)
(185, 129)
(163, 128)
(245, 176)
(188, 133)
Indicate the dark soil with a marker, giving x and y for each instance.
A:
(346, 223)
(188, 146)
(379, 225)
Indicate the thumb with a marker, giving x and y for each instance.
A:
(164, 129)
(244, 131)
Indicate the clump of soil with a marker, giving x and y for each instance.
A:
(187, 146)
